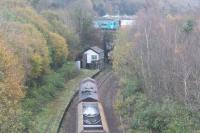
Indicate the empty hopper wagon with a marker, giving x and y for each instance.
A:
(90, 113)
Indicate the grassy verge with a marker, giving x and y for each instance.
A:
(48, 119)
(45, 102)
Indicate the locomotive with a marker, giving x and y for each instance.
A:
(90, 113)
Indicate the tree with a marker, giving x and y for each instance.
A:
(65, 30)
(11, 90)
(163, 58)
(27, 42)
(59, 50)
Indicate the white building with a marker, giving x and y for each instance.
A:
(93, 57)
(126, 22)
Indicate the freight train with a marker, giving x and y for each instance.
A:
(90, 112)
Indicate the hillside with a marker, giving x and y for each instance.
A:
(157, 61)
(36, 49)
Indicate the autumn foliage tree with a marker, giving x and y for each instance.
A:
(30, 45)
(11, 90)
(34, 52)
(25, 58)
(59, 50)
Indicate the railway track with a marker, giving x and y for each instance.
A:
(70, 103)
(68, 122)
(102, 78)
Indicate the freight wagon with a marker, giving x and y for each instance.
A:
(90, 112)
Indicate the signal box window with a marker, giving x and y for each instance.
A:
(94, 57)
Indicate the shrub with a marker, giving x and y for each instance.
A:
(36, 62)
(68, 71)
(141, 114)
(53, 82)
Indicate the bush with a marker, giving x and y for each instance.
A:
(36, 62)
(68, 71)
(142, 115)
(52, 83)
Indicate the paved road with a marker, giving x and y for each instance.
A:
(108, 85)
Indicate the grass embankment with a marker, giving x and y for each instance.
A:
(44, 104)
(48, 120)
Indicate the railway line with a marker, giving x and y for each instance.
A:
(107, 85)
(90, 116)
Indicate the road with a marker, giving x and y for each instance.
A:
(108, 85)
